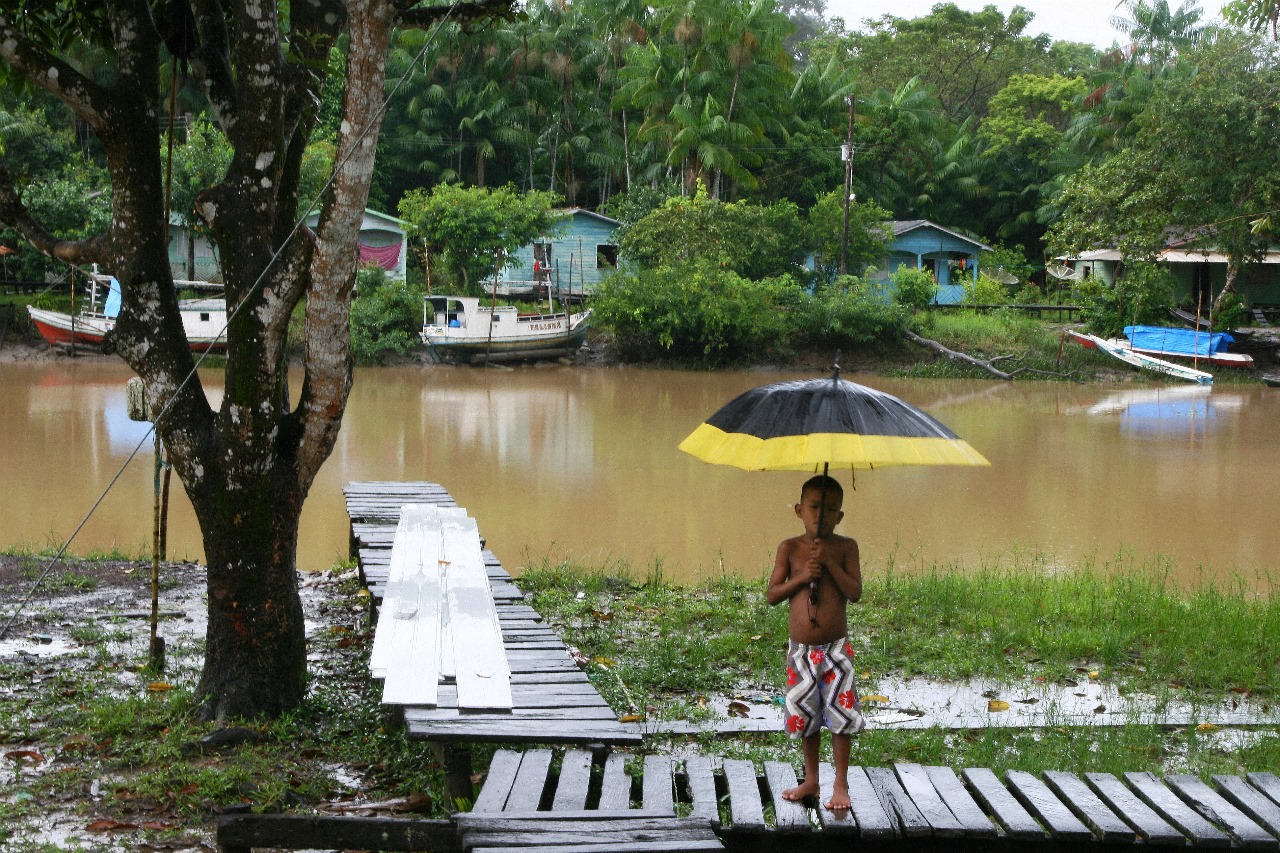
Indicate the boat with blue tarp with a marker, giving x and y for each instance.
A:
(1168, 342)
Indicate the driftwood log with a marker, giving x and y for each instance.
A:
(988, 366)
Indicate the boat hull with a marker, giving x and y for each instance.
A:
(202, 324)
(64, 330)
(1123, 352)
(544, 336)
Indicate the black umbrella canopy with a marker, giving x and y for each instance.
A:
(811, 423)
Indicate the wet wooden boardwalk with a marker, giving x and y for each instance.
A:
(553, 700)
(542, 796)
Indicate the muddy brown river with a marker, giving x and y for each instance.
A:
(581, 463)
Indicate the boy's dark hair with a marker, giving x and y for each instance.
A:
(827, 485)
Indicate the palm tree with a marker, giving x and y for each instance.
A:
(1158, 33)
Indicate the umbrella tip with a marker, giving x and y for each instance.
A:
(836, 366)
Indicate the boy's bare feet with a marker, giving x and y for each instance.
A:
(809, 788)
(839, 798)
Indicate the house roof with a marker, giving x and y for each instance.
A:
(582, 211)
(904, 226)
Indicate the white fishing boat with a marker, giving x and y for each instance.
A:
(1123, 351)
(459, 328)
(204, 320)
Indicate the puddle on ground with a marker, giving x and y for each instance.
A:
(978, 703)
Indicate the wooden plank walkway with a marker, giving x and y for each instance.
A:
(569, 802)
(553, 701)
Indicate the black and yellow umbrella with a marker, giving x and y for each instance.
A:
(819, 424)
(810, 424)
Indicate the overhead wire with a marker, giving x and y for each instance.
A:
(257, 284)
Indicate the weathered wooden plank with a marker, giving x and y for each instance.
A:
(446, 715)
(928, 802)
(1267, 783)
(303, 832)
(1040, 801)
(1153, 828)
(1003, 806)
(1167, 804)
(972, 818)
(872, 819)
(530, 783)
(633, 846)
(702, 788)
(574, 781)
(1251, 801)
(746, 809)
(1212, 806)
(1086, 805)
(897, 803)
(833, 821)
(498, 781)
(657, 786)
(524, 730)
(615, 788)
(788, 815)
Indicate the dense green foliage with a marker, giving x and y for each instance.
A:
(714, 133)
(470, 232)
(386, 316)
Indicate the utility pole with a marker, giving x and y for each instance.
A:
(848, 190)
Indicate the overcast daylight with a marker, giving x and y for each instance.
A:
(1078, 20)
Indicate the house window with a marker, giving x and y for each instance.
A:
(606, 256)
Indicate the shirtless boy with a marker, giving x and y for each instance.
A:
(820, 673)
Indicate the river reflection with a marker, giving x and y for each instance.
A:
(578, 462)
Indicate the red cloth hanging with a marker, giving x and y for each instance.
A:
(387, 257)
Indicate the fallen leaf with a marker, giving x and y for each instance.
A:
(20, 755)
(417, 801)
(1093, 675)
(997, 705)
(875, 697)
(605, 662)
(363, 593)
(109, 826)
(739, 709)
(757, 637)
(1206, 727)
(159, 686)
(1100, 709)
(1243, 691)
(1030, 700)
(157, 825)
(631, 718)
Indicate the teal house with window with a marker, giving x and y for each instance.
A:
(949, 255)
(579, 253)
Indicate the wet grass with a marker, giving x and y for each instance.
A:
(662, 649)
(1130, 625)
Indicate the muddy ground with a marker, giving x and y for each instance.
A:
(92, 620)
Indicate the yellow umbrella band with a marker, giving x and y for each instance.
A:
(839, 450)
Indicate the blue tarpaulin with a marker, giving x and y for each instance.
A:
(112, 308)
(1181, 341)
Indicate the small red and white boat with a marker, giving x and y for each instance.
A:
(204, 320)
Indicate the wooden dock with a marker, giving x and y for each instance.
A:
(553, 701)
(903, 807)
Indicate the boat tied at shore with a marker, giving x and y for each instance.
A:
(459, 328)
(204, 320)
(1124, 351)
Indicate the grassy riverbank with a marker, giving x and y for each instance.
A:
(99, 754)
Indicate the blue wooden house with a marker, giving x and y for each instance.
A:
(950, 256)
(577, 255)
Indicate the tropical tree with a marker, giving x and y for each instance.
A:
(1157, 32)
(469, 230)
(248, 465)
(1256, 15)
(1202, 166)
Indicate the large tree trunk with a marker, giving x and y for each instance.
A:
(248, 467)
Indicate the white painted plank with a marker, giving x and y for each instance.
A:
(480, 662)
(415, 680)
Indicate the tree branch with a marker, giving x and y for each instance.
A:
(410, 16)
(988, 366)
(14, 214)
(55, 76)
